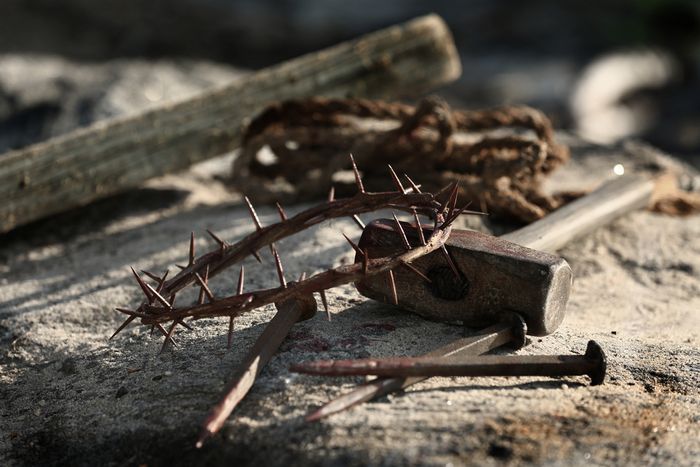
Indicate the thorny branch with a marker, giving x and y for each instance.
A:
(157, 310)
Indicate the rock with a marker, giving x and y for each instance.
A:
(57, 294)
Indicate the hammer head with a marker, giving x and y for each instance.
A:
(494, 276)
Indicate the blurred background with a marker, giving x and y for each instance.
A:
(608, 70)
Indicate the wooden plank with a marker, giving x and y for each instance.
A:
(113, 155)
(611, 200)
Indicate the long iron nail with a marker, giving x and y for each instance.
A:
(592, 364)
(265, 346)
(511, 331)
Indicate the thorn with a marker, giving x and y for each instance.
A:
(324, 300)
(394, 294)
(230, 332)
(358, 221)
(280, 270)
(280, 210)
(331, 194)
(446, 208)
(396, 180)
(200, 298)
(165, 333)
(191, 254)
(151, 275)
(171, 298)
(143, 286)
(123, 325)
(419, 228)
(302, 277)
(161, 283)
(133, 313)
(204, 287)
(365, 261)
(415, 187)
(168, 336)
(257, 256)
(159, 297)
(153, 328)
(181, 267)
(253, 214)
(417, 271)
(222, 244)
(353, 245)
(406, 244)
(241, 278)
(448, 258)
(358, 179)
(187, 326)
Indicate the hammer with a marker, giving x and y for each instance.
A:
(507, 280)
(489, 276)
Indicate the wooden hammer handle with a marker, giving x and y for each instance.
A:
(612, 199)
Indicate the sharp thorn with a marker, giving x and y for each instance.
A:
(151, 275)
(202, 292)
(159, 297)
(186, 326)
(392, 283)
(123, 325)
(153, 328)
(168, 336)
(331, 195)
(165, 333)
(253, 214)
(353, 245)
(241, 278)
(302, 277)
(448, 258)
(257, 256)
(324, 300)
(230, 333)
(419, 228)
(397, 181)
(204, 287)
(417, 271)
(416, 188)
(190, 261)
(222, 244)
(181, 267)
(280, 270)
(404, 238)
(144, 286)
(358, 178)
(358, 221)
(365, 261)
(161, 283)
(280, 210)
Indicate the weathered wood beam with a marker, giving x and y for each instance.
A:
(113, 155)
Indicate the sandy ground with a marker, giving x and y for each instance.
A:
(71, 396)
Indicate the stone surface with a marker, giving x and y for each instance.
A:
(72, 396)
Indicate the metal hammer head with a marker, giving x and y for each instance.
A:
(494, 276)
